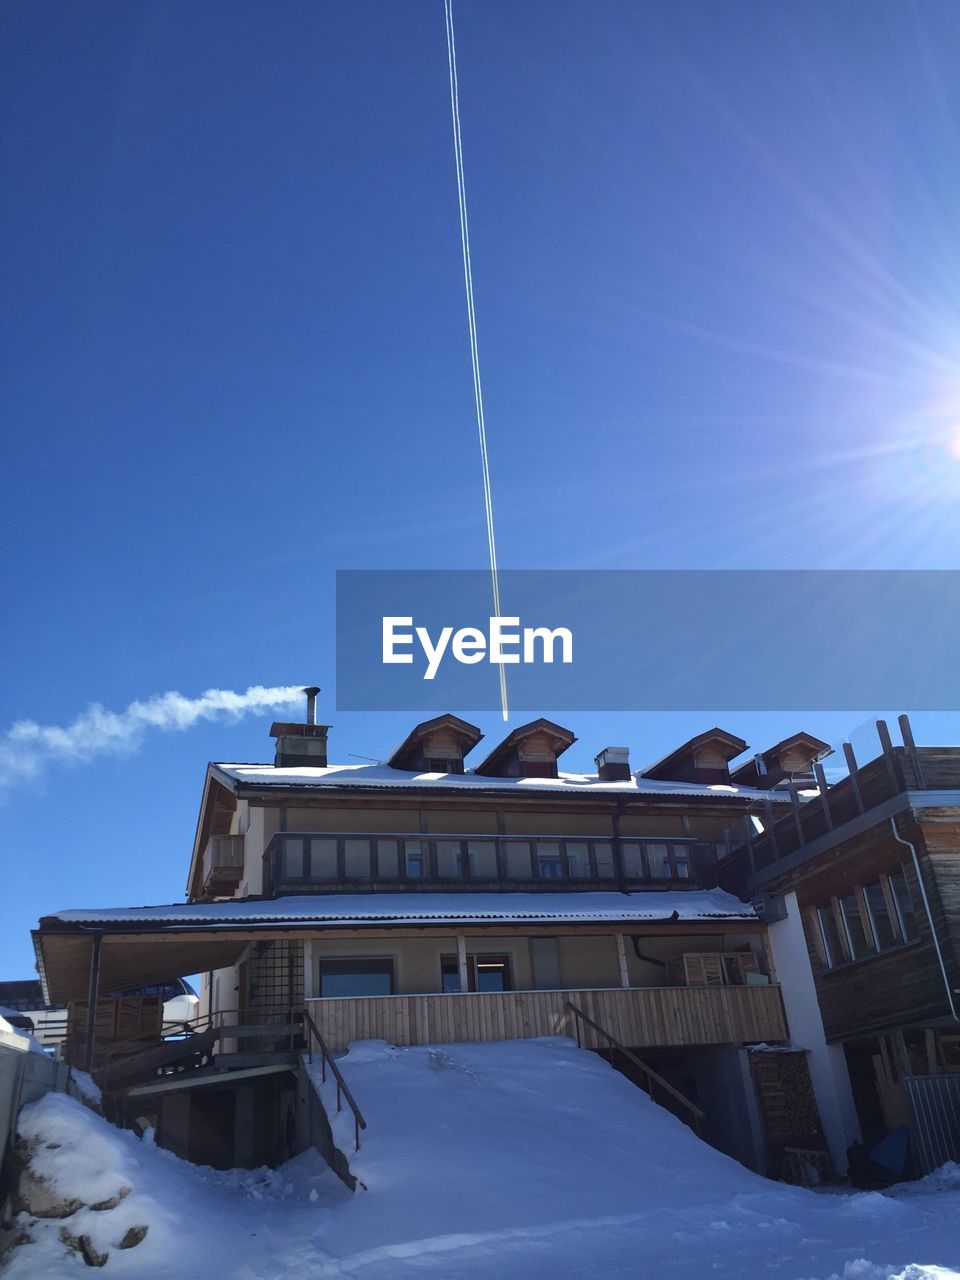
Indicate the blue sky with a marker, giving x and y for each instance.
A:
(717, 285)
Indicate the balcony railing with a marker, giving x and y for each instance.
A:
(301, 862)
(222, 864)
(640, 1017)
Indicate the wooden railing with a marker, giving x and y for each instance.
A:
(223, 862)
(313, 1036)
(638, 1016)
(654, 1080)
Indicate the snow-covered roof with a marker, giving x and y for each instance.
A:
(384, 777)
(421, 908)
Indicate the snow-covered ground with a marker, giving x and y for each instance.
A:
(528, 1159)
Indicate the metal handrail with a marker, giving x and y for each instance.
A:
(342, 1087)
(652, 1076)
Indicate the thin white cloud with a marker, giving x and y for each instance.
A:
(27, 748)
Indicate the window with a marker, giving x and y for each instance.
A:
(442, 764)
(388, 865)
(353, 977)
(906, 916)
(322, 860)
(881, 917)
(451, 863)
(549, 862)
(872, 919)
(578, 859)
(483, 859)
(518, 859)
(414, 864)
(356, 859)
(833, 950)
(633, 867)
(854, 927)
(484, 973)
(669, 861)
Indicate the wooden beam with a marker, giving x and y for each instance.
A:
(851, 760)
(93, 995)
(622, 960)
(462, 963)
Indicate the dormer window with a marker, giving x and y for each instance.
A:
(440, 764)
(703, 759)
(436, 746)
(529, 752)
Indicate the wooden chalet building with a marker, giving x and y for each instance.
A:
(860, 884)
(426, 900)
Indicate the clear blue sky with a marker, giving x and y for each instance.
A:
(717, 283)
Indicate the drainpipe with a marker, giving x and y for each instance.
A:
(926, 906)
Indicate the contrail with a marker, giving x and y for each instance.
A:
(27, 747)
(472, 328)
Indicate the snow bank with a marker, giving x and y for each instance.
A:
(527, 1160)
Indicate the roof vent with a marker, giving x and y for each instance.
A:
(613, 764)
(302, 746)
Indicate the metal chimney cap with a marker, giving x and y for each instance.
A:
(311, 690)
(613, 755)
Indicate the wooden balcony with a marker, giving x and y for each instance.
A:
(640, 1017)
(222, 864)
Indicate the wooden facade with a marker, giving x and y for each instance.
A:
(637, 1017)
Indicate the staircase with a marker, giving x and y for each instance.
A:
(641, 1073)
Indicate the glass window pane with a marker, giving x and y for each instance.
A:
(578, 859)
(356, 859)
(549, 862)
(603, 852)
(681, 862)
(483, 859)
(830, 936)
(349, 977)
(856, 932)
(450, 975)
(323, 859)
(518, 859)
(388, 859)
(492, 973)
(293, 860)
(658, 856)
(449, 863)
(901, 895)
(632, 859)
(884, 930)
(415, 863)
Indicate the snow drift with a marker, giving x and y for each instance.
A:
(527, 1159)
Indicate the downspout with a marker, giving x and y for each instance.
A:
(926, 906)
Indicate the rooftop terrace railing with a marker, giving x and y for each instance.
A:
(816, 812)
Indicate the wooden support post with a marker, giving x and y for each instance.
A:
(907, 734)
(851, 760)
(749, 831)
(93, 996)
(309, 992)
(824, 794)
(771, 833)
(883, 733)
(795, 806)
(462, 962)
(622, 959)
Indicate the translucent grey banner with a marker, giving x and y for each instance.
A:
(649, 640)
